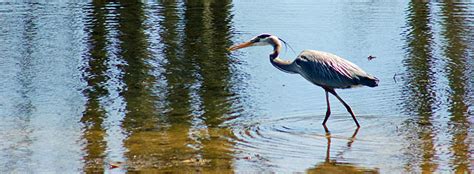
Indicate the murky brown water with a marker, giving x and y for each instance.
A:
(117, 87)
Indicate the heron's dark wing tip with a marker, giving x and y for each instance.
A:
(369, 81)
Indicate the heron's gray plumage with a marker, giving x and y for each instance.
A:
(328, 70)
(320, 68)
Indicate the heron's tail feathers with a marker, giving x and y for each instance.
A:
(369, 81)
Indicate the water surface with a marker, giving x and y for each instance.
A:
(121, 86)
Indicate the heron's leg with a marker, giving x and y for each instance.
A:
(328, 111)
(346, 105)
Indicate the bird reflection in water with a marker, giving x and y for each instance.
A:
(333, 166)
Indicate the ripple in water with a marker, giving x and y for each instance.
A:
(282, 142)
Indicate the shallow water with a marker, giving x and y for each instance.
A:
(116, 87)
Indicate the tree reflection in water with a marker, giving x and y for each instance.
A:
(188, 132)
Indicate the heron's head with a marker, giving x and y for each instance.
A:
(260, 40)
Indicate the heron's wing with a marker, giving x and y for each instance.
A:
(329, 70)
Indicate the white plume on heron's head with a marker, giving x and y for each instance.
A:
(261, 40)
(265, 39)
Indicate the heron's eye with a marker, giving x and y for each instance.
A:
(255, 40)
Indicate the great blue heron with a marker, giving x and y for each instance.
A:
(320, 68)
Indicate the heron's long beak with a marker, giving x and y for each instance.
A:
(239, 46)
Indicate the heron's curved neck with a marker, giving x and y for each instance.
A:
(283, 65)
